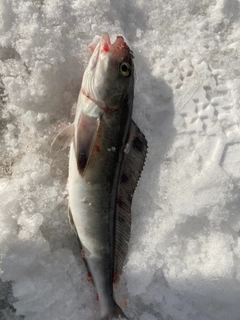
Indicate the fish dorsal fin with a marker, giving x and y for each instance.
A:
(63, 139)
(133, 162)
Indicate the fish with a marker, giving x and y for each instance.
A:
(107, 155)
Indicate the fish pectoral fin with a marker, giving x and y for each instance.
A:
(87, 132)
(63, 139)
(132, 165)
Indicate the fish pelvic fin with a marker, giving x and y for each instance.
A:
(63, 139)
(115, 314)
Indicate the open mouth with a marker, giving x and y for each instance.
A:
(104, 46)
(115, 47)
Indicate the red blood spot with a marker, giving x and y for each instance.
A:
(91, 48)
(96, 296)
(106, 47)
(89, 277)
(83, 254)
(123, 304)
(116, 278)
(119, 37)
(96, 146)
(124, 44)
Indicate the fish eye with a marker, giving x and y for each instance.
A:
(125, 69)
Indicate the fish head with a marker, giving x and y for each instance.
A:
(109, 76)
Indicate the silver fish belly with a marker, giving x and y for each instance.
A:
(107, 154)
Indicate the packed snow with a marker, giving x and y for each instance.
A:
(184, 254)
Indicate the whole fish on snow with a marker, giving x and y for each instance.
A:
(107, 155)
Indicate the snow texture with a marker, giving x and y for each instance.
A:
(184, 254)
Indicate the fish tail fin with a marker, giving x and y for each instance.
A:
(116, 314)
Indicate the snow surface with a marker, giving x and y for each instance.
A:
(184, 254)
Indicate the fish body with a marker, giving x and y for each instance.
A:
(107, 152)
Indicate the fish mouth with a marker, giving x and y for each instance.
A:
(114, 48)
(118, 48)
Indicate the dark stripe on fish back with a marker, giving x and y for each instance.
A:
(138, 144)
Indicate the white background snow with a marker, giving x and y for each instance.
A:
(184, 254)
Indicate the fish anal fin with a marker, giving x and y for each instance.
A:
(132, 165)
(87, 131)
(63, 139)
